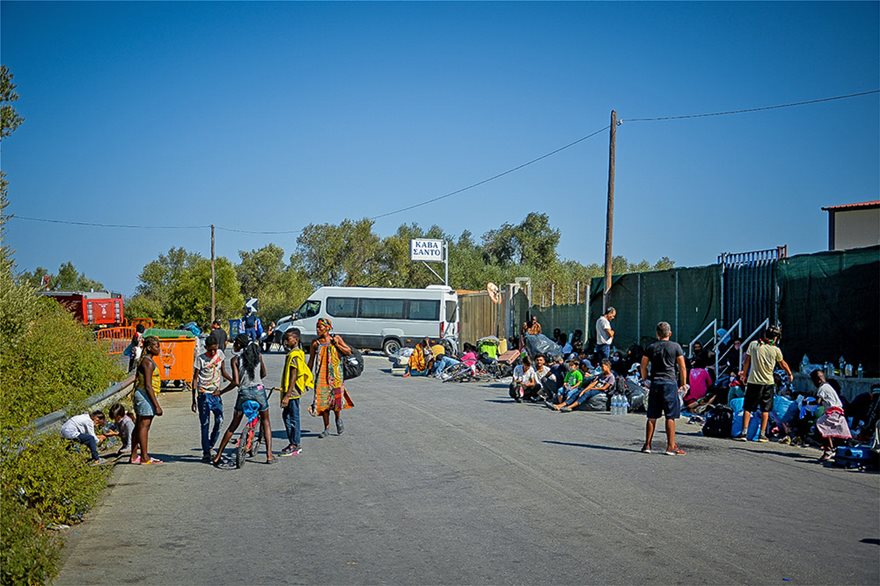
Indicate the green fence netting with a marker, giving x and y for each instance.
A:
(830, 307)
(687, 298)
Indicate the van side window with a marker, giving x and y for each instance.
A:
(309, 309)
(382, 309)
(342, 306)
(451, 307)
(424, 310)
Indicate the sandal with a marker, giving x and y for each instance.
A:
(152, 461)
(646, 450)
(676, 451)
(135, 461)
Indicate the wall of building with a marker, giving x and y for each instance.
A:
(856, 228)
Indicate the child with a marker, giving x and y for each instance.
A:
(248, 372)
(832, 424)
(81, 428)
(124, 424)
(208, 373)
(147, 383)
(296, 380)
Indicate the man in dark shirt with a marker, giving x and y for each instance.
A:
(219, 333)
(664, 356)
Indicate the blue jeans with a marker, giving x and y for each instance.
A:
(290, 415)
(604, 350)
(443, 363)
(91, 441)
(208, 404)
(251, 333)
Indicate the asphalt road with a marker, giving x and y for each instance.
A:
(456, 484)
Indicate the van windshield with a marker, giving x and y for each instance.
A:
(309, 309)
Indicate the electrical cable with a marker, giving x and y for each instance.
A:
(494, 177)
(99, 225)
(747, 110)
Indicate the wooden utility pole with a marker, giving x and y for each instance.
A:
(213, 285)
(609, 217)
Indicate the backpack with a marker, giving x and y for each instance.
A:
(352, 365)
(719, 422)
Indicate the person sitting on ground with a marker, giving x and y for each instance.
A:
(419, 360)
(525, 383)
(832, 424)
(573, 380)
(470, 356)
(699, 382)
(545, 376)
(598, 385)
(123, 424)
(441, 362)
(81, 428)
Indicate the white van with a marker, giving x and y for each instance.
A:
(377, 319)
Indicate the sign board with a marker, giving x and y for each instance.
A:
(425, 249)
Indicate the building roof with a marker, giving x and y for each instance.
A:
(853, 206)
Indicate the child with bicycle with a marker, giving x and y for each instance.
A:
(248, 372)
(296, 380)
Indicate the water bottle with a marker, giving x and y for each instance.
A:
(613, 404)
(842, 364)
(624, 405)
(829, 370)
(805, 364)
(849, 370)
(860, 371)
(616, 407)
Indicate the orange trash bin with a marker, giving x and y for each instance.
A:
(176, 358)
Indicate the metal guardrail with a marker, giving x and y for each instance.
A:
(113, 394)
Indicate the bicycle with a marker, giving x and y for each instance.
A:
(249, 437)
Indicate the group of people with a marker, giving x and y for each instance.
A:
(321, 373)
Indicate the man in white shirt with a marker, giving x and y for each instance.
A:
(604, 334)
(525, 383)
(81, 428)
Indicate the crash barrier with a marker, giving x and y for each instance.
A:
(119, 338)
(114, 394)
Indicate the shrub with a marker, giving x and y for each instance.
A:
(48, 361)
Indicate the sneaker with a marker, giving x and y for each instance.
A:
(785, 441)
(646, 450)
(762, 439)
(206, 458)
(99, 462)
(741, 438)
(340, 427)
(324, 434)
(826, 456)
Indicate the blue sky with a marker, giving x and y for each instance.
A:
(267, 116)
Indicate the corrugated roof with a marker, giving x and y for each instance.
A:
(853, 206)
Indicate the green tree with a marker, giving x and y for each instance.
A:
(279, 288)
(190, 296)
(346, 254)
(68, 278)
(9, 118)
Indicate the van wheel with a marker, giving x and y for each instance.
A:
(391, 347)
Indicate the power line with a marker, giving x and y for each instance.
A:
(492, 178)
(99, 225)
(759, 109)
(270, 232)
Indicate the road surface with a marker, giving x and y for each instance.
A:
(455, 483)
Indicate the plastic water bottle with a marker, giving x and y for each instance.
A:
(624, 405)
(842, 364)
(849, 370)
(805, 364)
(860, 371)
(829, 370)
(613, 404)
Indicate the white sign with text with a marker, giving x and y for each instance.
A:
(426, 250)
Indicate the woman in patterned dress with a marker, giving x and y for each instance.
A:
(325, 361)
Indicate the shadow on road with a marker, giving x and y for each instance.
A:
(591, 446)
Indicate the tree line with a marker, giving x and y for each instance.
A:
(175, 287)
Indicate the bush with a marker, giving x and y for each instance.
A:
(29, 554)
(48, 361)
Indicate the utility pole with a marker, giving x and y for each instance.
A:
(609, 217)
(213, 285)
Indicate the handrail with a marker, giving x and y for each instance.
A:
(712, 324)
(737, 325)
(745, 342)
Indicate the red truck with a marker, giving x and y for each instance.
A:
(92, 308)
